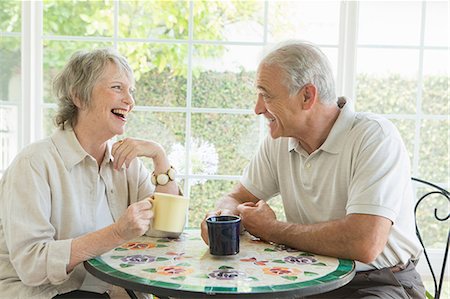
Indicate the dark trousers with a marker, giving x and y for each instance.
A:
(82, 294)
(383, 283)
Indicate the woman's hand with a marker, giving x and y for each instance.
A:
(135, 221)
(125, 150)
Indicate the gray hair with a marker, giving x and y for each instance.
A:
(304, 63)
(78, 78)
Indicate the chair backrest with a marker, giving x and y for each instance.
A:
(443, 194)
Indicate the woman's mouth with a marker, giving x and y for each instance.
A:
(121, 113)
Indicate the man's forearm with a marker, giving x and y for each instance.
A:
(354, 238)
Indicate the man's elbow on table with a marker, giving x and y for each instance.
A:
(370, 246)
(367, 236)
(368, 251)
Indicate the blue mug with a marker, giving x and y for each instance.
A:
(223, 234)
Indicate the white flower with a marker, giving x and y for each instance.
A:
(203, 159)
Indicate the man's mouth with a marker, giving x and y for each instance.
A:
(122, 113)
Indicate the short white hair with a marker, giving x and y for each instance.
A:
(303, 63)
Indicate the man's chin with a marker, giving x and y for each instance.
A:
(274, 135)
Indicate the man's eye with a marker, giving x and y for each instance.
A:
(265, 97)
(117, 87)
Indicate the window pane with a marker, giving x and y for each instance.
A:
(154, 19)
(437, 23)
(434, 163)
(10, 16)
(332, 55)
(203, 197)
(406, 127)
(222, 143)
(10, 69)
(380, 22)
(168, 129)
(435, 97)
(314, 21)
(10, 98)
(78, 18)
(56, 55)
(228, 20)
(227, 80)
(48, 116)
(8, 135)
(160, 71)
(386, 81)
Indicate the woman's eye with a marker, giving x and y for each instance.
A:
(116, 87)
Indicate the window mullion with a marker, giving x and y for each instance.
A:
(419, 113)
(348, 34)
(30, 112)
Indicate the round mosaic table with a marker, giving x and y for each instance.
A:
(184, 268)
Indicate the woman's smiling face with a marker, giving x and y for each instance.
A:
(111, 101)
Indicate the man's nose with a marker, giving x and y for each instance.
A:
(260, 106)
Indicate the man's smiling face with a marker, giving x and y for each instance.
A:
(275, 102)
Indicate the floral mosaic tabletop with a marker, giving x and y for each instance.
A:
(185, 266)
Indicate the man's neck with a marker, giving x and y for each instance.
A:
(318, 128)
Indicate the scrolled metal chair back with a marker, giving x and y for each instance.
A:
(443, 194)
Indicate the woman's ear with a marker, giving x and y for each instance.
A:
(76, 100)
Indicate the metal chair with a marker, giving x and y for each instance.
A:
(443, 194)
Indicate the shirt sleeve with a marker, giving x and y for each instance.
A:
(381, 174)
(259, 176)
(145, 187)
(36, 256)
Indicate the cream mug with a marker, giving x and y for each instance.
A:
(169, 213)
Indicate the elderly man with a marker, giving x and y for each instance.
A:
(344, 178)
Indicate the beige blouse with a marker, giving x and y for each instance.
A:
(48, 196)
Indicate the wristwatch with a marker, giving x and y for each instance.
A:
(163, 178)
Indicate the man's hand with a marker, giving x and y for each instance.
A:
(204, 225)
(257, 218)
(135, 221)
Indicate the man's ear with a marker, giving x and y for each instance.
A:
(309, 95)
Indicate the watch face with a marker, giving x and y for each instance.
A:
(162, 179)
(171, 174)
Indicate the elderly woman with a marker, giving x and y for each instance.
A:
(77, 194)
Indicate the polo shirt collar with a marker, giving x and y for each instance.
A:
(336, 138)
(70, 149)
(292, 143)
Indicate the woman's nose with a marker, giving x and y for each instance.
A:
(129, 99)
